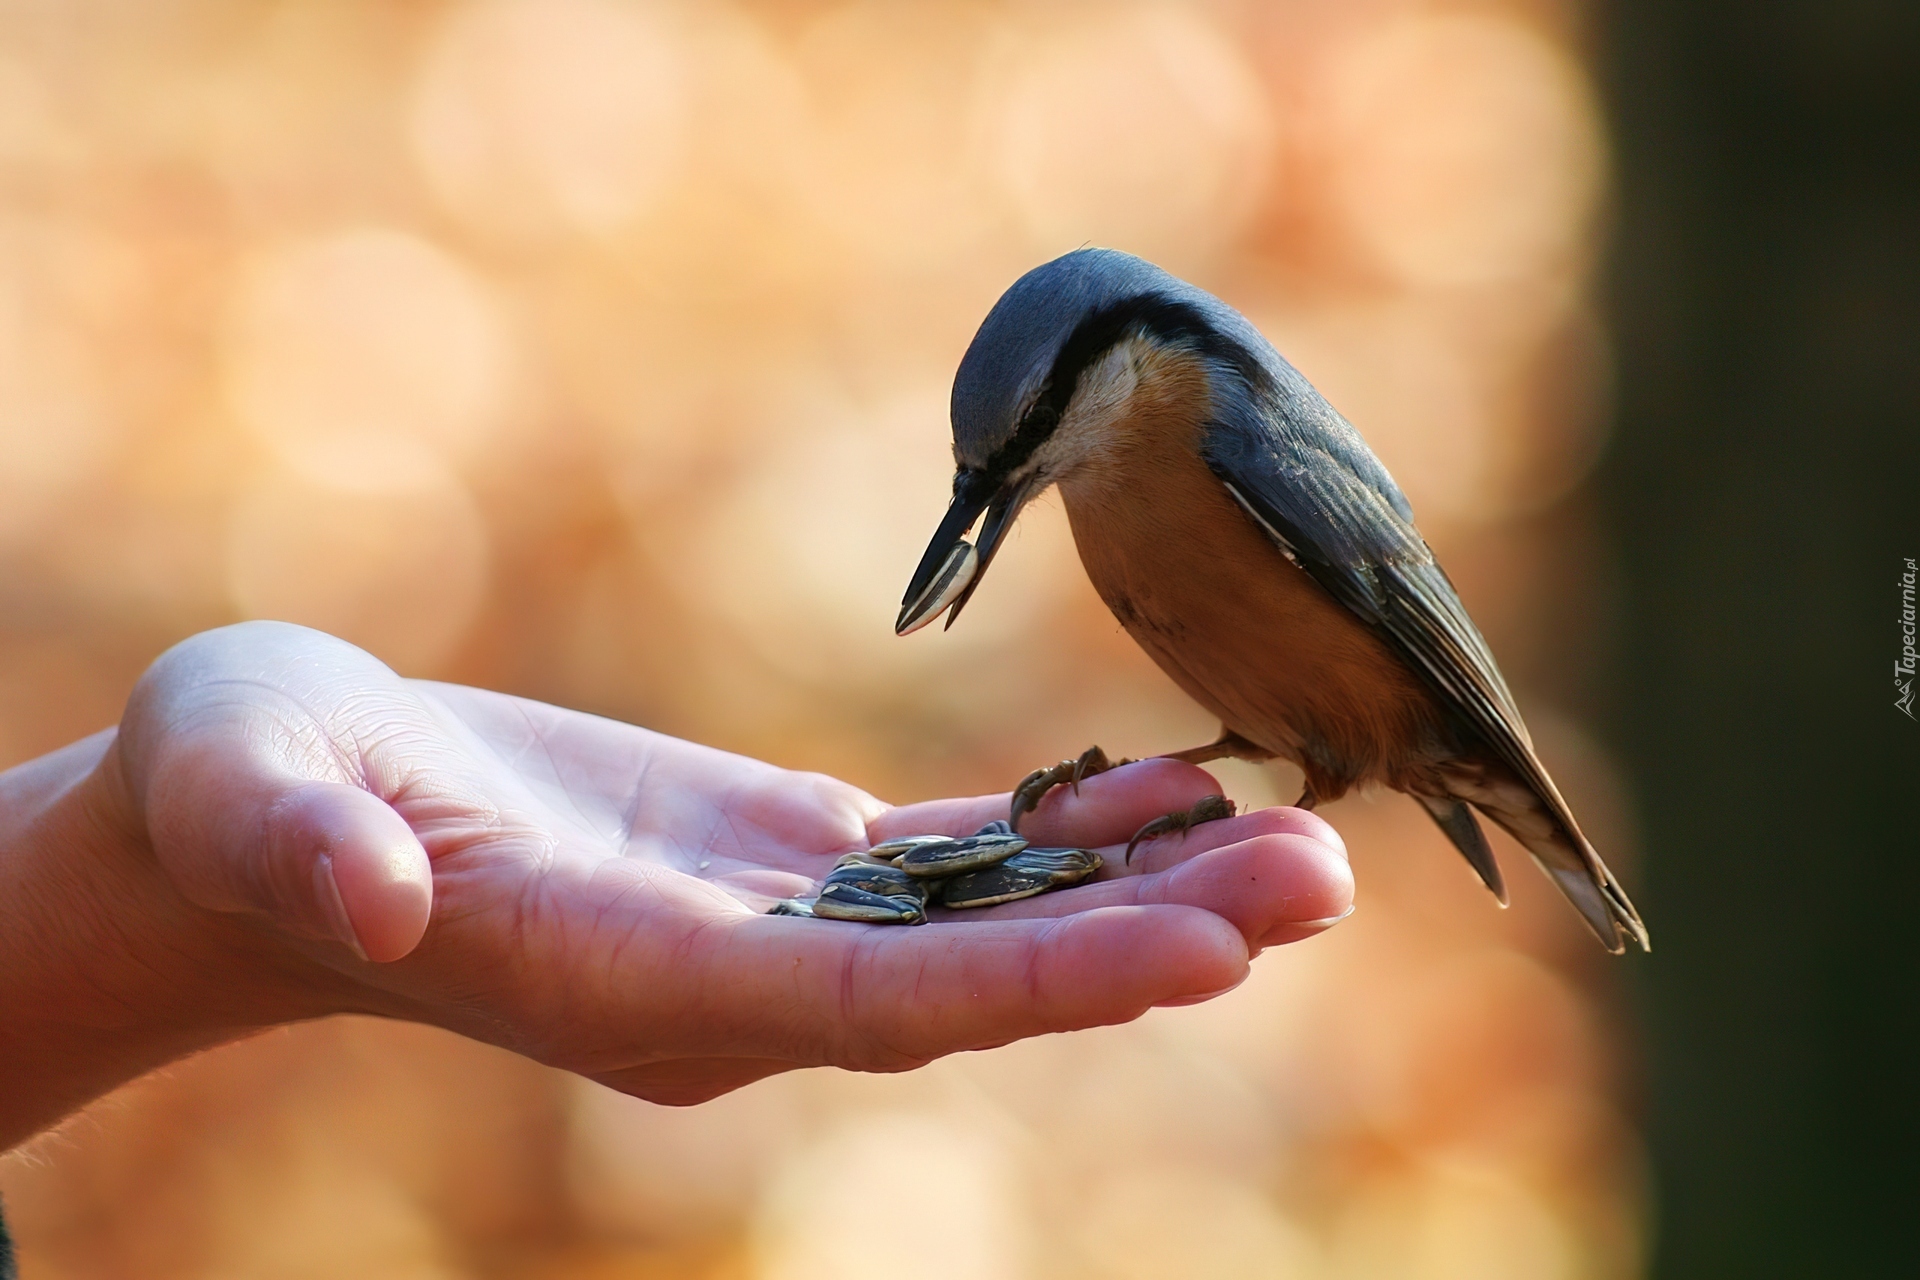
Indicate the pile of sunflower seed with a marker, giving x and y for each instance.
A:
(897, 880)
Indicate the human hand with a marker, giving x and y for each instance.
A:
(318, 835)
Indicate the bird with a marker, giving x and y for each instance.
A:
(1245, 536)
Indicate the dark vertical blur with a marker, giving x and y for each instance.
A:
(1766, 310)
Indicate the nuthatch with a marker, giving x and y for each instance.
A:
(1246, 538)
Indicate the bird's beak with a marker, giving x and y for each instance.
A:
(953, 567)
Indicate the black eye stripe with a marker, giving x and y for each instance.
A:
(1035, 427)
(1167, 319)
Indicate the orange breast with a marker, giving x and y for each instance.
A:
(1236, 625)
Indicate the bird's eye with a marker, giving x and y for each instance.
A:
(1038, 420)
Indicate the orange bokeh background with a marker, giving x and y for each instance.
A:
(599, 351)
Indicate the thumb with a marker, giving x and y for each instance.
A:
(250, 805)
(325, 861)
(335, 861)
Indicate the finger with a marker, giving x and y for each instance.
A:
(1308, 823)
(369, 872)
(1273, 888)
(1170, 850)
(325, 861)
(1106, 809)
(889, 999)
(242, 750)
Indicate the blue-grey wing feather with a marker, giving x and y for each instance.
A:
(1304, 474)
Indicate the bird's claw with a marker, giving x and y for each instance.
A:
(1034, 787)
(1210, 809)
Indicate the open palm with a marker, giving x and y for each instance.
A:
(592, 894)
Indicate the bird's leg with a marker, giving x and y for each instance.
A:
(1228, 744)
(1210, 809)
(1027, 796)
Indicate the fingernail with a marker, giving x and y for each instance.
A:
(327, 889)
(1295, 930)
(1324, 922)
(1183, 1001)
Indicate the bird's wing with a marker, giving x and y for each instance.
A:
(1306, 477)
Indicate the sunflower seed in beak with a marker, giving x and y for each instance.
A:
(961, 564)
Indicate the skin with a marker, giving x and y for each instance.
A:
(281, 829)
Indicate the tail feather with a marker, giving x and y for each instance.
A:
(1542, 823)
(1460, 826)
(1600, 901)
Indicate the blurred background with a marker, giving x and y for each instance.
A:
(598, 351)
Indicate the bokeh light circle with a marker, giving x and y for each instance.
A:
(1138, 127)
(1452, 1221)
(1466, 149)
(1146, 1224)
(803, 1230)
(359, 356)
(807, 552)
(399, 574)
(53, 434)
(895, 162)
(1400, 376)
(536, 117)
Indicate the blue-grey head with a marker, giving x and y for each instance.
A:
(1052, 365)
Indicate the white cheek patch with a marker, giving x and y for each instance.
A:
(1106, 388)
(1100, 400)
(1108, 394)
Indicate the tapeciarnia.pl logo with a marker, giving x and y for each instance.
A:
(1903, 665)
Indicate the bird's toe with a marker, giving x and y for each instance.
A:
(1209, 809)
(1034, 787)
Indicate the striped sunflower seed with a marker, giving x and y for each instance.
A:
(952, 857)
(845, 902)
(1023, 875)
